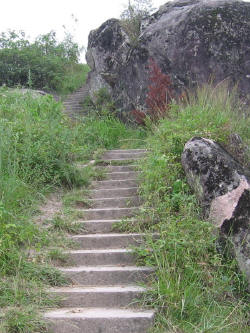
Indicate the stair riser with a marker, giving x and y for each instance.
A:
(114, 168)
(113, 278)
(110, 184)
(114, 193)
(108, 214)
(101, 259)
(100, 299)
(115, 202)
(98, 227)
(108, 242)
(101, 325)
(122, 175)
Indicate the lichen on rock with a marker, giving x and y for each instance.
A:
(193, 41)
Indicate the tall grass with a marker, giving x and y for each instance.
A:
(196, 289)
(74, 78)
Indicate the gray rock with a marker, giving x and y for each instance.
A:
(192, 40)
(223, 189)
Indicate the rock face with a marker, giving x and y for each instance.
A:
(192, 40)
(223, 189)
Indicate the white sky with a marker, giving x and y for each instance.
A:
(39, 17)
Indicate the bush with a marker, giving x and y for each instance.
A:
(43, 64)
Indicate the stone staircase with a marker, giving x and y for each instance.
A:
(104, 291)
(72, 104)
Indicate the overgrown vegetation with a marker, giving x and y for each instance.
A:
(43, 64)
(39, 151)
(196, 289)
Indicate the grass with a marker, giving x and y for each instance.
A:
(196, 289)
(40, 149)
(74, 78)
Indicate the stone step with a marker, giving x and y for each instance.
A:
(114, 192)
(106, 275)
(108, 213)
(71, 102)
(100, 257)
(108, 241)
(115, 202)
(108, 184)
(119, 168)
(124, 155)
(98, 226)
(107, 296)
(138, 150)
(122, 175)
(74, 108)
(99, 320)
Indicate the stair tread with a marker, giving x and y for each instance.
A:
(98, 289)
(102, 235)
(100, 251)
(98, 313)
(104, 268)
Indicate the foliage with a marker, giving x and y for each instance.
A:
(132, 16)
(159, 96)
(195, 289)
(43, 64)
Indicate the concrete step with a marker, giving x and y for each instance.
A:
(106, 275)
(108, 184)
(108, 213)
(98, 226)
(114, 296)
(74, 108)
(122, 175)
(99, 320)
(71, 102)
(100, 257)
(139, 150)
(125, 155)
(115, 202)
(114, 192)
(108, 241)
(119, 168)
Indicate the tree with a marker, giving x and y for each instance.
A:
(132, 16)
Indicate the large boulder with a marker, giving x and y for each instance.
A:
(192, 40)
(222, 186)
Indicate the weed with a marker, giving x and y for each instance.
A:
(23, 321)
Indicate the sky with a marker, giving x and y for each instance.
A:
(40, 17)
